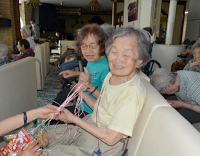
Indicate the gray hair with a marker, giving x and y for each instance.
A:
(108, 29)
(26, 29)
(137, 35)
(161, 77)
(3, 51)
(196, 45)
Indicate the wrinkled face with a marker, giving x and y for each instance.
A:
(123, 57)
(90, 48)
(196, 54)
(24, 34)
(173, 88)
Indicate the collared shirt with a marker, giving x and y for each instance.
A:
(189, 87)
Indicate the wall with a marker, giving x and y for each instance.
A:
(193, 20)
(8, 34)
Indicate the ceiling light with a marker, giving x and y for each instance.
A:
(34, 3)
(61, 3)
(94, 5)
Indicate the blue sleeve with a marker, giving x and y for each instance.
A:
(187, 67)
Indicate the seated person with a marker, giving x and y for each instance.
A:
(25, 50)
(194, 64)
(91, 43)
(187, 56)
(70, 53)
(108, 29)
(3, 54)
(18, 121)
(185, 85)
(118, 106)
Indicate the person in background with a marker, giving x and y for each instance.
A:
(25, 50)
(3, 54)
(186, 87)
(58, 37)
(194, 64)
(17, 121)
(35, 30)
(26, 34)
(186, 56)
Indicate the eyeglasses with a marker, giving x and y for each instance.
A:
(91, 46)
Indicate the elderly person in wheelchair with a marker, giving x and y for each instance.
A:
(194, 64)
(117, 108)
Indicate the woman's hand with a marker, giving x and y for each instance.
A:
(31, 150)
(66, 116)
(69, 73)
(85, 77)
(45, 111)
(13, 56)
(194, 65)
(176, 103)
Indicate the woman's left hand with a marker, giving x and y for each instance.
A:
(66, 116)
(176, 103)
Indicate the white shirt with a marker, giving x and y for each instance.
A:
(31, 42)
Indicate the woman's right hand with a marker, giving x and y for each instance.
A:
(31, 150)
(68, 73)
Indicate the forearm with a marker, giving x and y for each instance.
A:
(192, 107)
(16, 121)
(95, 93)
(108, 136)
(89, 100)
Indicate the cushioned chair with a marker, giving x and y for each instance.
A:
(39, 64)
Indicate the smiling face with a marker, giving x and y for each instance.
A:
(24, 34)
(20, 47)
(90, 48)
(196, 53)
(123, 57)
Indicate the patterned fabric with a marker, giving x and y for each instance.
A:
(28, 52)
(48, 94)
(6, 62)
(189, 87)
(187, 67)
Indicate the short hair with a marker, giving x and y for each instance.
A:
(25, 43)
(161, 77)
(108, 29)
(196, 45)
(26, 29)
(3, 50)
(97, 31)
(33, 20)
(138, 36)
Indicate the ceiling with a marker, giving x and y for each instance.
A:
(106, 5)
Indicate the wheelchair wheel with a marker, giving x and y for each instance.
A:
(151, 66)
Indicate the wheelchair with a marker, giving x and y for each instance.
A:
(152, 64)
